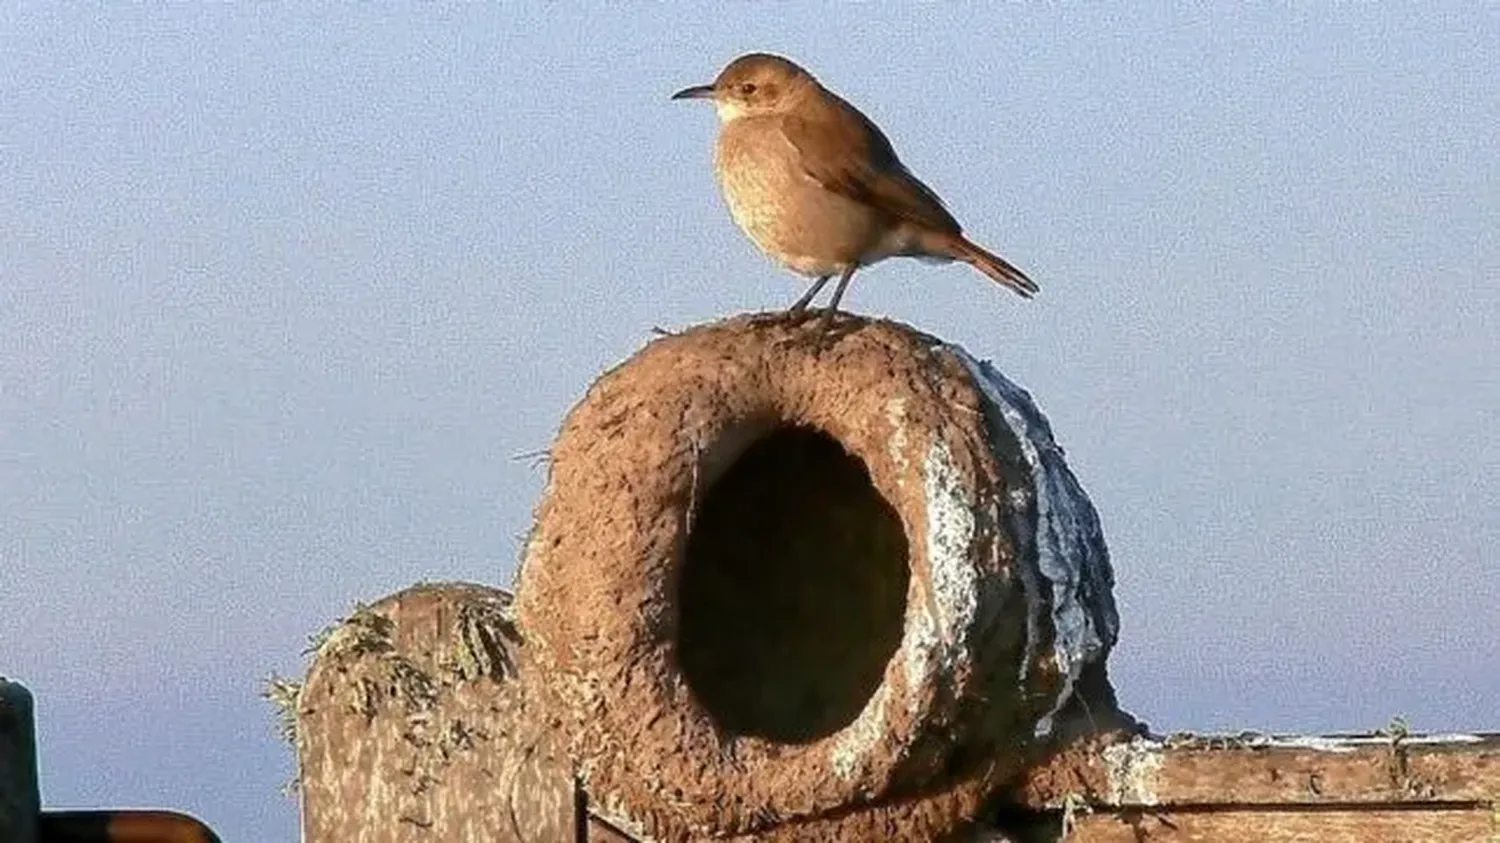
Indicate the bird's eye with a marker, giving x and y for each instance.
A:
(748, 88)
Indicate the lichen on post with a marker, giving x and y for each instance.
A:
(409, 727)
(776, 577)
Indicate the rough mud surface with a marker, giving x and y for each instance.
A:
(734, 643)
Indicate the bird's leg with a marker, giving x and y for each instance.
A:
(807, 297)
(838, 293)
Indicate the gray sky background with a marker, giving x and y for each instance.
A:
(283, 292)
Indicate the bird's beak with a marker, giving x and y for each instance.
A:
(697, 92)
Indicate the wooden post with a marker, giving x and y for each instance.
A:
(1273, 788)
(20, 800)
(410, 728)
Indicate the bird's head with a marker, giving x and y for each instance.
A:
(754, 84)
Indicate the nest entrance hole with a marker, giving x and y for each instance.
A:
(793, 589)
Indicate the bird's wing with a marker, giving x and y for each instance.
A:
(846, 153)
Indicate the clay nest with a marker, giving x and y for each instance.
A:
(772, 577)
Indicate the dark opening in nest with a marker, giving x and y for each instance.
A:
(793, 590)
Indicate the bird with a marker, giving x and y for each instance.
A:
(817, 186)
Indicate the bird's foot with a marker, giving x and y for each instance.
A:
(797, 315)
(825, 322)
(825, 333)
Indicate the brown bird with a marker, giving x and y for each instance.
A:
(817, 186)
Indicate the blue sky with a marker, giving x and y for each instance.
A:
(284, 291)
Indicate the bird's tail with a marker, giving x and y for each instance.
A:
(994, 266)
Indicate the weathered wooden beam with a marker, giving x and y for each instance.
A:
(1342, 825)
(1274, 788)
(1255, 769)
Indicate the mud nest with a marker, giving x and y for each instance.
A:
(774, 577)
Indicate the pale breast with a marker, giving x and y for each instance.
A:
(780, 208)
